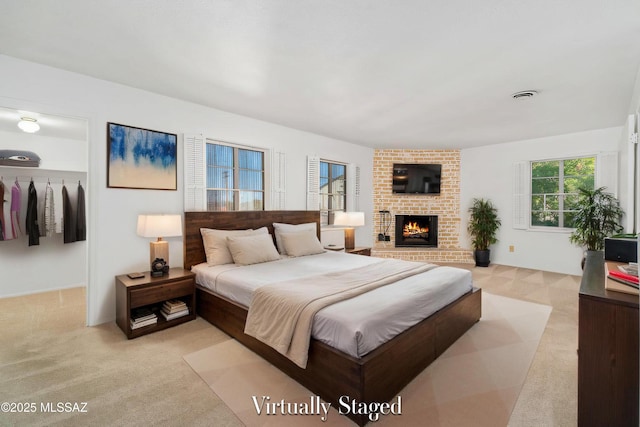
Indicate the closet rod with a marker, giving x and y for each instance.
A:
(40, 179)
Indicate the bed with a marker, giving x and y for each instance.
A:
(331, 373)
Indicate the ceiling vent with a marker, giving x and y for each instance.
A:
(525, 94)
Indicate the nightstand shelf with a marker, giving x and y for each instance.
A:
(151, 292)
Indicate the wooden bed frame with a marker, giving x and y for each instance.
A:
(330, 373)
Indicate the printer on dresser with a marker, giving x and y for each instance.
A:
(621, 249)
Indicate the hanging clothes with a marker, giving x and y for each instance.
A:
(81, 221)
(31, 224)
(59, 211)
(48, 221)
(16, 202)
(7, 229)
(69, 226)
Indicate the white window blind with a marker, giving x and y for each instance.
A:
(278, 198)
(313, 183)
(353, 184)
(521, 195)
(194, 172)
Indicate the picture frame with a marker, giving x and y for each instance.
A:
(141, 158)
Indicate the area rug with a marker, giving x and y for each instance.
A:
(476, 382)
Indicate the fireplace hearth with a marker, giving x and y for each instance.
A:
(417, 231)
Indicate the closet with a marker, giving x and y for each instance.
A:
(61, 143)
(59, 205)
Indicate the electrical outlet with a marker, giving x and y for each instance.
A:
(387, 238)
(512, 248)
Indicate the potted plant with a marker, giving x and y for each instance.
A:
(483, 227)
(597, 216)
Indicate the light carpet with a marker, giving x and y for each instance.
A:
(476, 382)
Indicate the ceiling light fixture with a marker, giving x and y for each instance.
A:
(525, 94)
(29, 124)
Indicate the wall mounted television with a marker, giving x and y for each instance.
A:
(416, 178)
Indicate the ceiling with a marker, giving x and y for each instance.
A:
(381, 73)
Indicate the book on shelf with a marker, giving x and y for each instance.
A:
(142, 314)
(140, 324)
(175, 315)
(173, 306)
(173, 311)
(174, 303)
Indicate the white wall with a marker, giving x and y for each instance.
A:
(487, 172)
(114, 247)
(52, 264)
(626, 163)
(634, 109)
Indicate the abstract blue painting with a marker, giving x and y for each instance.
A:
(141, 158)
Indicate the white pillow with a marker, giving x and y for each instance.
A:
(215, 243)
(301, 243)
(247, 250)
(280, 228)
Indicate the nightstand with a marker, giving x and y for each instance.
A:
(359, 251)
(148, 294)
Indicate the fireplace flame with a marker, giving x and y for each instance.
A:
(413, 229)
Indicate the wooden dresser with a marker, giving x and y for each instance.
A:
(607, 352)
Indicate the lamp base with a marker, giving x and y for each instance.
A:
(349, 238)
(159, 249)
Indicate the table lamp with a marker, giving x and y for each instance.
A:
(159, 226)
(349, 220)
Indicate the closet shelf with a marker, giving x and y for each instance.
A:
(41, 171)
(25, 174)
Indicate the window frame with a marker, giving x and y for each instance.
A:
(236, 172)
(329, 213)
(561, 195)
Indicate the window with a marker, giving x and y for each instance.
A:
(333, 195)
(554, 189)
(234, 178)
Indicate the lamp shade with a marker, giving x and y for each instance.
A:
(159, 225)
(349, 219)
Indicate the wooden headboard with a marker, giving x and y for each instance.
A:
(240, 220)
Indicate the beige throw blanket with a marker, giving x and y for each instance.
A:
(281, 314)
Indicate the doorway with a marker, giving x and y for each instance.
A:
(58, 157)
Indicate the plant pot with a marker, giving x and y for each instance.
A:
(482, 258)
(596, 256)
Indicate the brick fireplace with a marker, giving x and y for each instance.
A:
(446, 206)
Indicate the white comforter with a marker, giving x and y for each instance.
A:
(355, 326)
